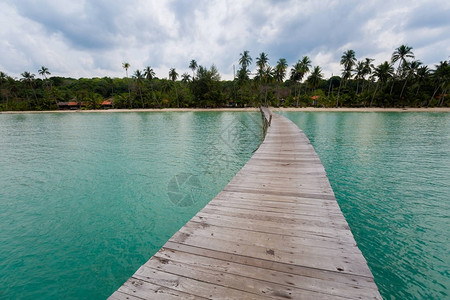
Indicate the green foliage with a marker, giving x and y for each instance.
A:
(400, 82)
(206, 88)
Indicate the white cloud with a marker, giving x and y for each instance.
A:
(93, 38)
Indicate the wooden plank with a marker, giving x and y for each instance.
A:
(337, 219)
(280, 193)
(190, 286)
(216, 275)
(279, 203)
(346, 262)
(135, 288)
(275, 198)
(268, 239)
(339, 277)
(324, 287)
(275, 231)
(282, 219)
(278, 208)
(274, 227)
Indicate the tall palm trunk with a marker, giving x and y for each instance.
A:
(403, 88)
(129, 90)
(434, 93)
(140, 95)
(443, 97)
(329, 88)
(339, 92)
(373, 97)
(418, 87)
(265, 96)
(278, 94)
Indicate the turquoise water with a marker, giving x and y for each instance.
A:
(85, 199)
(391, 175)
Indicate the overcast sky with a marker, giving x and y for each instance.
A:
(77, 38)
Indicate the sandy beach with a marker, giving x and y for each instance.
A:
(364, 109)
(274, 109)
(132, 110)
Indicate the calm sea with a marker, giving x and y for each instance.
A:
(391, 176)
(85, 199)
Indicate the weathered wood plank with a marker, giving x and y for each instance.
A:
(139, 289)
(275, 231)
(255, 223)
(190, 286)
(325, 260)
(274, 226)
(310, 242)
(209, 274)
(335, 276)
(320, 285)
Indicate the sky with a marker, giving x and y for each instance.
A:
(87, 38)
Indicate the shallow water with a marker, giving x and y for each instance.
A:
(391, 176)
(86, 199)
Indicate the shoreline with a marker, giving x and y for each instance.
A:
(363, 109)
(274, 109)
(131, 110)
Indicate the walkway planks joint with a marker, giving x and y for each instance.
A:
(275, 231)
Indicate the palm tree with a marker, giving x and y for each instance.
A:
(280, 69)
(139, 77)
(315, 77)
(262, 61)
(193, 66)
(173, 75)
(359, 73)
(43, 71)
(410, 69)
(149, 73)
(28, 78)
(3, 80)
(441, 76)
(400, 54)
(242, 75)
(422, 73)
(348, 60)
(383, 72)
(267, 77)
(305, 65)
(280, 73)
(185, 77)
(368, 66)
(245, 60)
(298, 71)
(126, 66)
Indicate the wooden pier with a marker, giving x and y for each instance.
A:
(275, 231)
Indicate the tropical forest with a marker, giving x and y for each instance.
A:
(404, 81)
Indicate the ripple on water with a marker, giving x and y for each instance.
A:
(391, 178)
(84, 198)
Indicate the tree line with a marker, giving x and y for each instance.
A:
(402, 81)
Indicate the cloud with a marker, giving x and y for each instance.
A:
(92, 38)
